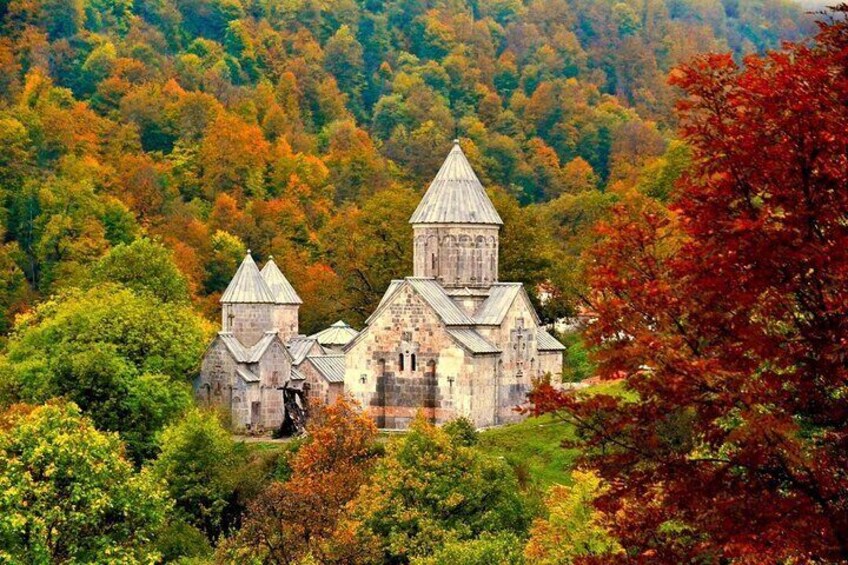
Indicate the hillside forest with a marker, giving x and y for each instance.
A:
(674, 170)
(308, 131)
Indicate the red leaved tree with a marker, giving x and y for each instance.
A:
(729, 317)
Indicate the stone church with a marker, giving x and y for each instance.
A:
(452, 340)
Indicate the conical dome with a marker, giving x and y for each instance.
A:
(281, 289)
(248, 286)
(456, 196)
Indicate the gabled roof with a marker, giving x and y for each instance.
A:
(247, 375)
(281, 289)
(433, 294)
(456, 196)
(394, 286)
(297, 375)
(339, 334)
(244, 354)
(501, 298)
(495, 307)
(472, 341)
(331, 367)
(248, 286)
(547, 342)
(299, 348)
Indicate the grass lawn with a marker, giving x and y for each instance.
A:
(533, 448)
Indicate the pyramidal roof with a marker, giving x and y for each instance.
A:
(456, 196)
(281, 289)
(248, 286)
(338, 334)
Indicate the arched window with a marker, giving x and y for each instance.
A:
(412, 362)
(400, 361)
(433, 262)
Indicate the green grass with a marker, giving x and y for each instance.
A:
(534, 449)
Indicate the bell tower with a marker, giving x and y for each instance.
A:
(456, 228)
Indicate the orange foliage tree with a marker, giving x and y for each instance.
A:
(306, 516)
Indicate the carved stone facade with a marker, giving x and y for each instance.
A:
(248, 322)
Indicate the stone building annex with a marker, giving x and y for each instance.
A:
(451, 340)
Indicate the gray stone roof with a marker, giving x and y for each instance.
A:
(299, 348)
(248, 286)
(281, 289)
(501, 297)
(456, 196)
(297, 375)
(495, 307)
(331, 367)
(547, 342)
(338, 335)
(244, 354)
(434, 294)
(472, 341)
(247, 375)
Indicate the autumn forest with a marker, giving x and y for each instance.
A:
(672, 173)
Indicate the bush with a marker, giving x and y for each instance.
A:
(462, 432)
(488, 549)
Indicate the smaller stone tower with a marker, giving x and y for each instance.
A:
(248, 306)
(286, 301)
(456, 228)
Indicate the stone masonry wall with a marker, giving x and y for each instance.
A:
(520, 361)
(247, 322)
(274, 370)
(219, 385)
(550, 362)
(285, 320)
(443, 383)
(457, 255)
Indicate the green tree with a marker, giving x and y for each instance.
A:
(343, 59)
(124, 359)
(430, 490)
(368, 247)
(227, 253)
(67, 495)
(14, 289)
(152, 337)
(199, 463)
(489, 549)
(145, 267)
(573, 528)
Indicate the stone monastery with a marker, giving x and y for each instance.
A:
(450, 341)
